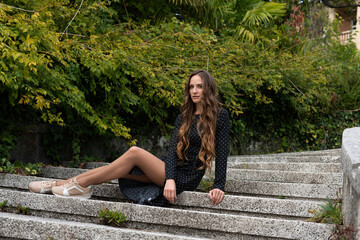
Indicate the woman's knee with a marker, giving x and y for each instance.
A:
(134, 150)
(134, 153)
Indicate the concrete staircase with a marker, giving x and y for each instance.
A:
(268, 197)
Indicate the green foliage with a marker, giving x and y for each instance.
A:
(329, 213)
(114, 73)
(6, 166)
(243, 18)
(35, 63)
(32, 169)
(112, 218)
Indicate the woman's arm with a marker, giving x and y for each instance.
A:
(171, 162)
(170, 190)
(222, 149)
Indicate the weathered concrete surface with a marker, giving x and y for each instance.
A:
(264, 205)
(280, 166)
(320, 153)
(350, 156)
(252, 208)
(29, 227)
(350, 161)
(299, 190)
(233, 174)
(90, 165)
(275, 189)
(285, 176)
(286, 159)
(191, 220)
(231, 204)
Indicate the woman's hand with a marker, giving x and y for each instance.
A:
(170, 190)
(216, 196)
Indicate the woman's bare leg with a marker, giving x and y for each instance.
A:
(153, 168)
(87, 173)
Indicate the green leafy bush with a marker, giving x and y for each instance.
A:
(110, 77)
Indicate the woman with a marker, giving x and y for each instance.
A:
(201, 133)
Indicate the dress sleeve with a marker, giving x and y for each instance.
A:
(222, 149)
(171, 159)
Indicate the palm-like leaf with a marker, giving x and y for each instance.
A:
(263, 12)
(245, 16)
(260, 14)
(245, 34)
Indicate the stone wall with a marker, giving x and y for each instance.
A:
(350, 161)
(30, 146)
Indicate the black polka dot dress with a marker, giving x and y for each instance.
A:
(187, 176)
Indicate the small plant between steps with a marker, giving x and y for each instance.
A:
(4, 207)
(32, 169)
(331, 213)
(22, 210)
(112, 218)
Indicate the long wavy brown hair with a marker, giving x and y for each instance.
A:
(206, 126)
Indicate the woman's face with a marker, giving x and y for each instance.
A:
(196, 88)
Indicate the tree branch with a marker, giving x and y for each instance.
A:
(25, 10)
(326, 2)
(72, 19)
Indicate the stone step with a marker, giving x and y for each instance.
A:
(264, 206)
(233, 174)
(293, 167)
(246, 205)
(267, 197)
(289, 190)
(31, 227)
(307, 189)
(327, 156)
(330, 152)
(91, 165)
(191, 223)
(298, 185)
(274, 189)
(285, 176)
(232, 204)
(284, 159)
